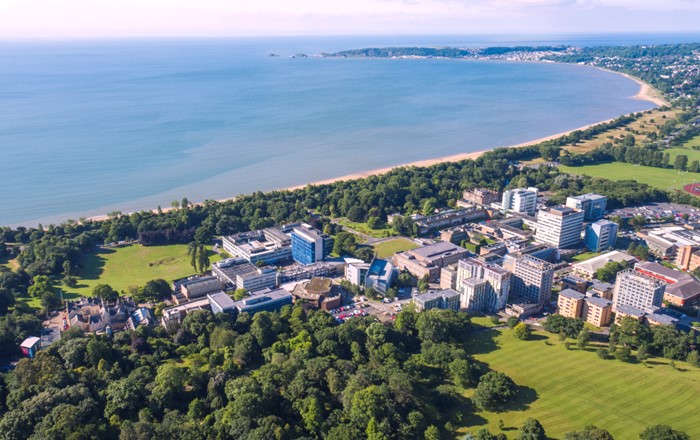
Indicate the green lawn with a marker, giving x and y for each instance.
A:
(568, 389)
(585, 256)
(133, 265)
(363, 228)
(657, 177)
(388, 248)
(692, 154)
(694, 142)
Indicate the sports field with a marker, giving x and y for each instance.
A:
(133, 265)
(388, 248)
(568, 389)
(657, 177)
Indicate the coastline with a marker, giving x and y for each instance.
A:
(646, 93)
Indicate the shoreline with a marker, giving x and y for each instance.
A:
(646, 93)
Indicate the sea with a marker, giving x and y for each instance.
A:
(93, 126)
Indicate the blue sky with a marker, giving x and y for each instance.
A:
(217, 18)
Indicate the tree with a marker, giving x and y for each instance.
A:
(584, 337)
(50, 301)
(693, 358)
(199, 256)
(423, 284)
(608, 272)
(7, 300)
(239, 294)
(681, 162)
(40, 284)
(522, 331)
(532, 430)
(494, 391)
(432, 433)
(105, 293)
(154, 290)
(663, 432)
(589, 432)
(512, 322)
(463, 372)
(694, 166)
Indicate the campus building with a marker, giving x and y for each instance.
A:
(559, 226)
(570, 303)
(592, 205)
(481, 196)
(320, 293)
(428, 260)
(199, 287)
(601, 235)
(682, 289)
(638, 290)
(597, 311)
(269, 246)
(241, 274)
(309, 245)
(589, 267)
(520, 200)
(532, 279)
(441, 299)
(484, 287)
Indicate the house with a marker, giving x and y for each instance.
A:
(30, 346)
(92, 315)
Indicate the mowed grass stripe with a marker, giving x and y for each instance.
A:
(576, 388)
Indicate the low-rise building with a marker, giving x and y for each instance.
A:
(241, 274)
(654, 319)
(93, 315)
(573, 282)
(30, 346)
(481, 196)
(454, 235)
(682, 289)
(320, 293)
(601, 289)
(380, 275)
(589, 267)
(570, 303)
(220, 302)
(176, 314)
(428, 260)
(440, 299)
(140, 317)
(321, 269)
(449, 218)
(448, 277)
(269, 246)
(199, 287)
(597, 311)
(631, 311)
(266, 300)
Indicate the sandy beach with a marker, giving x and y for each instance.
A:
(646, 92)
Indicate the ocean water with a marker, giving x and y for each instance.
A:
(91, 127)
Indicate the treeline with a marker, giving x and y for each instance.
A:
(285, 375)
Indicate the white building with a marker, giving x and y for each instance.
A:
(634, 289)
(532, 279)
(559, 226)
(592, 205)
(520, 200)
(483, 287)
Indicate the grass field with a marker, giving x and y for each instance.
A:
(692, 154)
(388, 248)
(133, 265)
(694, 142)
(568, 389)
(657, 177)
(649, 122)
(364, 229)
(585, 256)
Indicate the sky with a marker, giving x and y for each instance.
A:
(224, 18)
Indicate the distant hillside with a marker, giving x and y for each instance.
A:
(444, 52)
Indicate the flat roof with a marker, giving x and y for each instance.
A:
(598, 301)
(629, 310)
(570, 293)
(437, 249)
(449, 293)
(252, 302)
(589, 196)
(662, 319)
(222, 300)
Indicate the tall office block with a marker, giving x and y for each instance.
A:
(309, 245)
(592, 205)
(484, 287)
(601, 235)
(559, 226)
(532, 279)
(520, 200)
(635, 289)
